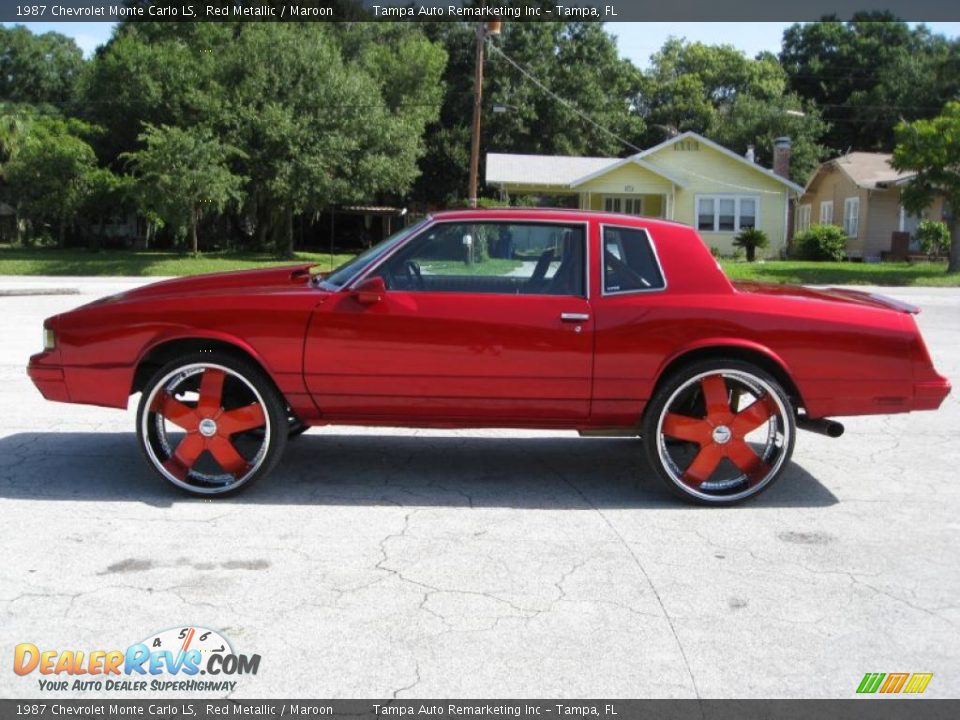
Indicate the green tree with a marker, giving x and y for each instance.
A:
(719, 92)
(323, 114)
(38, 68)
(181, 173)
(931, 149)
(144, 75)
(577, 62)
(321, 127)
(108, 195)
(51, 173)
(869, 73)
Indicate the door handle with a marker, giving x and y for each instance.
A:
(574, 317)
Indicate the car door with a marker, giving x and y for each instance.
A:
(481, 321)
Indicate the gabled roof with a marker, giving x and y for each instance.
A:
(542, 169)
(566, 171)
(636, 160)
(867, 170)
(689, 134)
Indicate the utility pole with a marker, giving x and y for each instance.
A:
(483, 29)
(477, 104)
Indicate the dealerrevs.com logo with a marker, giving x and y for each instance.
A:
(179, 659)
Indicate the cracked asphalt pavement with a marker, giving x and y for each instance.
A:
(399, 563)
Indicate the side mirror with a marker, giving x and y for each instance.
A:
(370, 291)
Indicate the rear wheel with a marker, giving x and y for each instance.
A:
(719, 431)
(211, 423)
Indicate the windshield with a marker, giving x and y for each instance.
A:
(336, 279)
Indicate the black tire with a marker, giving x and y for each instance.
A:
(719, 431)
(232, 433)
(295, 428)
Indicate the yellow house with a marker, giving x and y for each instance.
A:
(687, 178)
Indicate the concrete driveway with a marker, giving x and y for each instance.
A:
(486, 564)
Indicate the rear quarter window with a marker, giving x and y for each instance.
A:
(629, 261)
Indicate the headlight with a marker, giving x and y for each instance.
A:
(49, 339)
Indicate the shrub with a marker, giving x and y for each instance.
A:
(934, 237)
(750, 239)
(822, 242)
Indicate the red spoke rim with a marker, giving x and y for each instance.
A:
(242, 419)
(206, 456)
(211, 392)
(723, 464)
(715, 396)
(703, 465)
(753, 416)
(687, 428)
(175, 411)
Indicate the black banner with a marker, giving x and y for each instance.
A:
(732, 11)
(875, 709)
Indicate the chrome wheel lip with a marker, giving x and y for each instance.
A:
(179, 374)
(754, 382)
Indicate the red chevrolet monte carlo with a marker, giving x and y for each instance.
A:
(606, 324)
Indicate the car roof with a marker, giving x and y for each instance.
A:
(554, 214)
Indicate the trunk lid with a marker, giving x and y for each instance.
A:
(831, 294)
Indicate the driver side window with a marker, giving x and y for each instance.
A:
(491, 257)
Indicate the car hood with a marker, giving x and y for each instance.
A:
(832, 295)
(241, 280)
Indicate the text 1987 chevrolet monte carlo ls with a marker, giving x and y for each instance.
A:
(600, 323)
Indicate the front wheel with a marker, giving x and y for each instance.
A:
(211, 423)
(719, 431)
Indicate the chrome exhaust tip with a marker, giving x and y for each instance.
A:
(821, 426)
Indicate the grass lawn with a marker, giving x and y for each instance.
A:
(47, 261)
(492, 266)
(843, 273)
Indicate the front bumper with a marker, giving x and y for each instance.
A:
(48, 378)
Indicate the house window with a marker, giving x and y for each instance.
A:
(748, 213)
(851, 216)
(826, 212)
(726, 213)
(803, 218)
(623, 204)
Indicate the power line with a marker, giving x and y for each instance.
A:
(566, 103)
(573, 108)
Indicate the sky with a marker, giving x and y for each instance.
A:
(636, 40)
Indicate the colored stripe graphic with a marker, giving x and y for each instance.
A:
(894, 682)
(870, 682)
(918, 682)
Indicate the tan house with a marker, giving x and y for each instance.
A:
(861, 192)
(688, 178)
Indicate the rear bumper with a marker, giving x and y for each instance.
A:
(830, 398)
(930, 394)
(49, 379)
